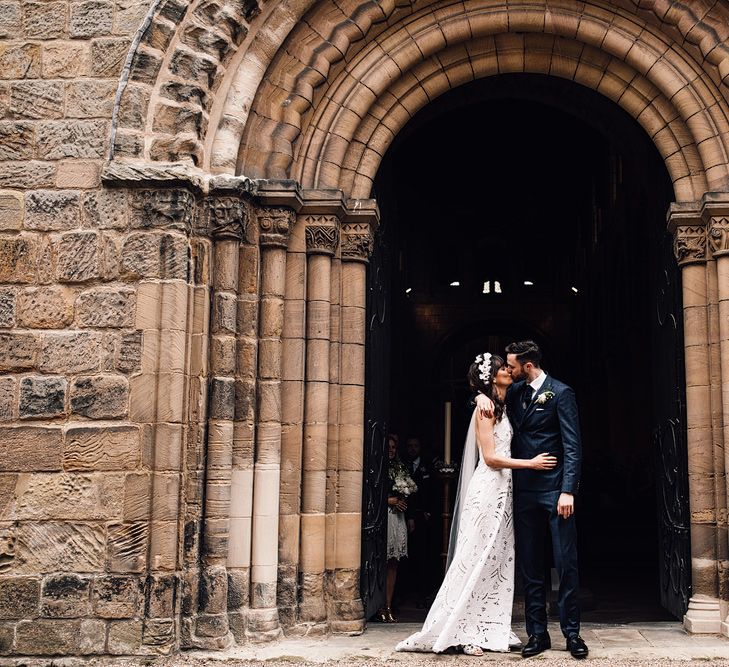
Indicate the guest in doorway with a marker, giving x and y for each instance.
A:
(401, 487)
(419, 513)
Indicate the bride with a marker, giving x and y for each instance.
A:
(473, 606)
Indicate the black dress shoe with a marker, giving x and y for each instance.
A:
(537, 644)
(577, 647)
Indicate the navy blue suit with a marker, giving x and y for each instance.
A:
(552, 427)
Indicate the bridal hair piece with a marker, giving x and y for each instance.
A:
(484, 366)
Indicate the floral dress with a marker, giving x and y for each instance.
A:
(397, 531)
(473, 605)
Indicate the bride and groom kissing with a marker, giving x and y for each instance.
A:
(525, 421)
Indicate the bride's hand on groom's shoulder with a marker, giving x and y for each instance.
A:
(485, 406)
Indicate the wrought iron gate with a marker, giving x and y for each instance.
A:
(377, 402)
(669, 433)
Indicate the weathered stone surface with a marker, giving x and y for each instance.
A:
(18, 351)
(52, 210)
(60, 637)
(66, 60)
(140, 256)
(18, 61)
(78, 174)
(44, 307)
(90, 448)
(7, 399)
(4, 99)
(19, 597)
(92, 637)
(106, 307)
(106, 209)
(130, 352)
(90, 19)
(42, 397)
(118, 597)
(30, 448)
(66, 596)
(9, 18)
(90, 99)
(70, 352)
(50, 546)
(8, 482)
(7, 308)
(125, 637)
(161, 594)
(158, 633)
(100, 396)
(31, 174)
(128, 16)
(78, 257)
(134, 104)
(108, 55)
(17, 141)
(44, 20)
(127, 547)
(12, 210)
(169, 208)
(17, 259)
(71, 496)
(72, 138)
(145, 66)
(36, 99)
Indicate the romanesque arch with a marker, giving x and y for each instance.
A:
(275, 116)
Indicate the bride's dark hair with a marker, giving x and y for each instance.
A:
(486, 387)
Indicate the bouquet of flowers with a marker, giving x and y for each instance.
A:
(402, 483)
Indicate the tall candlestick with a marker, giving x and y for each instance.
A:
(447, 439)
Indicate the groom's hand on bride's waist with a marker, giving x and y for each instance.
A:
(485, 406)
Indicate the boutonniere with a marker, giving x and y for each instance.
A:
(543, 398)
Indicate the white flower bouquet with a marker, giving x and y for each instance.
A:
(402, 483)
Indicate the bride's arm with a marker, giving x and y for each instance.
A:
(485, 440)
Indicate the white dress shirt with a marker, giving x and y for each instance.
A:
(537, 382)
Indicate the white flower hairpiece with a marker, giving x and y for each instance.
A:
(484, 366)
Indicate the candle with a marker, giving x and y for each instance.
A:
(447, 453)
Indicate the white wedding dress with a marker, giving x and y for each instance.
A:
(473, 605)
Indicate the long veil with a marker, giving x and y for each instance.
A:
(469, 462)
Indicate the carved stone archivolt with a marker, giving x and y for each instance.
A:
(357, 242)
(689, 244)
(322, 234)
(275, 223)
(719, 236)
(227, 218)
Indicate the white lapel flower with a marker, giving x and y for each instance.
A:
(543, 398)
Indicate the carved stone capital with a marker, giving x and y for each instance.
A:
(357, 242)
(322, 234)
(227, 218)
(163, 208)
(275, 223)
(719, 236)
(689, 244)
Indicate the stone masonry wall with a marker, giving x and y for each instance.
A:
(75, 463)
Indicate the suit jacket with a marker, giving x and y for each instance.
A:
(551, 427)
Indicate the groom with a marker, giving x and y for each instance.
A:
(543, 414)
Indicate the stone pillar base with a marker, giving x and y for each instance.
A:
(703, 616)
(725, 627)
(354, 627)
(262, 625)
(308, 630)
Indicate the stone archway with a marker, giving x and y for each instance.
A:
(280, 114)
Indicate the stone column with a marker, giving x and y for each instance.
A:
(322, 238)
(292, 418)
(348, 615)
(717, 215)
(227, 227)
(703, 615)
(274, 226)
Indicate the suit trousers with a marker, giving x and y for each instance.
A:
(533, 512)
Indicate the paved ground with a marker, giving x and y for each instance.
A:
(631, 645)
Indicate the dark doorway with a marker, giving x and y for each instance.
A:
(525, 206)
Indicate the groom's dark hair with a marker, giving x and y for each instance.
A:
(525, 351)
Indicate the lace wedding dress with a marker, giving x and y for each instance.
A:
(473, 605)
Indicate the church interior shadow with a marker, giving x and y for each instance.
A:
(528, 207)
